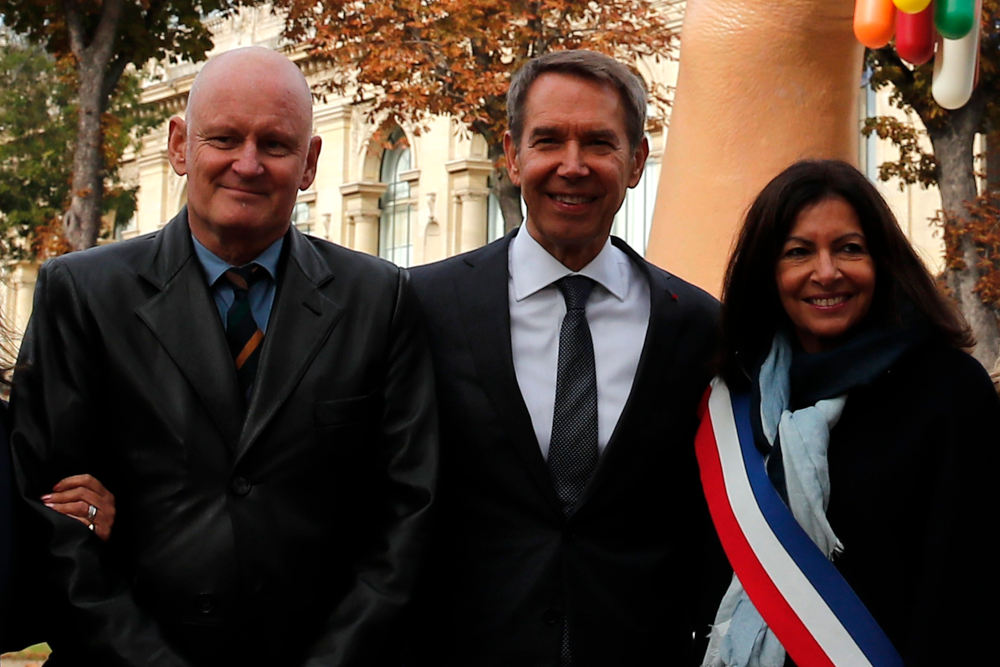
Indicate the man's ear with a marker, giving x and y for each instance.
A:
(510, 153)
(312, 156)
(177, 145)
(638, 162)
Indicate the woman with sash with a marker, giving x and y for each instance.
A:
(848, 447)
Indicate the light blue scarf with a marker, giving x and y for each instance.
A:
(740, 637)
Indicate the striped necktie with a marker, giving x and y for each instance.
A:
(242, 332)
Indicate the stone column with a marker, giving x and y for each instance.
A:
(20, 293)
(361, 215)
(470, 194)
(334, 125)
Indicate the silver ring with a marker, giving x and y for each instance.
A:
(91, 527)
(91, 512)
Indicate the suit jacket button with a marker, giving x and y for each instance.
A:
(205, 603)
(241, 486)
(552, 616)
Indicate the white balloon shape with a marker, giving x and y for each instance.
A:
(955, 66)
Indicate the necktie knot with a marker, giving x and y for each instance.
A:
(243, 277)
(575, 290)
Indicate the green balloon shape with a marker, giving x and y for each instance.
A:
(954, 18)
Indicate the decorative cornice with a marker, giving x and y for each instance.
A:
(362, 188)
(469, 164)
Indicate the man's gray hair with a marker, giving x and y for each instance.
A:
(587, 65)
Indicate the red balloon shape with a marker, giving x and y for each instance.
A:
(915, 36)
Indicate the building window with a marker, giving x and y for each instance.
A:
(394, 242)
(635, 217)
(129, 229)
(302, 216)
(494, 216)
(869, 107)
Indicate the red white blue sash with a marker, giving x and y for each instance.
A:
(797, 590)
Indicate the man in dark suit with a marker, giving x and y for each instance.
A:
(260, 402)
(571, 526)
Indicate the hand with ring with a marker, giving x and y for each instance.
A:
(84, 498)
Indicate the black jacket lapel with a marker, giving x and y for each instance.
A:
(657, 349)
(186, 322)
(301, 319)
(483, 298)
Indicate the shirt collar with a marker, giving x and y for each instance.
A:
(215, 267)
(532, 268)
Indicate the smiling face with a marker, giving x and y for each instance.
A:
(573, 164)
(825, 275)
(246, 151)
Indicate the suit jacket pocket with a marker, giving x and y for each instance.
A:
(346, 433)
(350, 411)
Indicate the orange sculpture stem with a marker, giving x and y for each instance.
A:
(760, 85)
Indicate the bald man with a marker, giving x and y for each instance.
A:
(259, 401)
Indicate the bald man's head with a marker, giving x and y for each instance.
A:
(245, 147)
(251, 63)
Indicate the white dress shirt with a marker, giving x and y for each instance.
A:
(617, 312)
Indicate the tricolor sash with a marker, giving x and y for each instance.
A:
(805, 601)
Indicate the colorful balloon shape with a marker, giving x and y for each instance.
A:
(915, 36)
(911, 6)
(955, 67)
(874, 22)
(954, 18)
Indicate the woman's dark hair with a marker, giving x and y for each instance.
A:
(751, 309)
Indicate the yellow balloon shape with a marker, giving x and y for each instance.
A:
(911, 6)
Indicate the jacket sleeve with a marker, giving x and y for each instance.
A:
(57, 417)
(363, 629)
(954, 566)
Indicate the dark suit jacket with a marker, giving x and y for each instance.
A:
(913, 463)
(7, 535)
(628, 567)
(291, 536)
(22, 599)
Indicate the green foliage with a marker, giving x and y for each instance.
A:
(38, 117)
(126, 122)
(102, 39)
(160, 29)
(36, 133)
(915, 165)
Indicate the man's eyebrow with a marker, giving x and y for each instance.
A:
(544, 130)
(601, 133)
(213, 128)
(551, 130)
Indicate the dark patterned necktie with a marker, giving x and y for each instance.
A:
(573, 446)
(242, 332)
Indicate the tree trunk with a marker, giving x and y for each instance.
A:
(953, 148)
(508, 194)
(83, 219)
(993, 161)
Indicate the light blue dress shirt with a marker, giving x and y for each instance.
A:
(261, 295)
